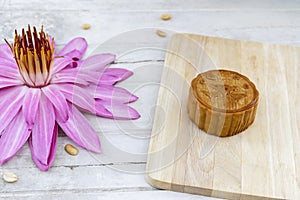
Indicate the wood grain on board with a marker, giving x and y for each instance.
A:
(261, 162)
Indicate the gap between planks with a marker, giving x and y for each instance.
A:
(83, 165)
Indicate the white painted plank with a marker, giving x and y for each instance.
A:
(119, 5)
(107, 195)
(98, 178)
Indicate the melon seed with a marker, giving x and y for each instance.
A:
(9, 177)
(70, 149)
(86, 26)
(161, 33)
(166, 16)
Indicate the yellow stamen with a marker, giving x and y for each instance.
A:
(30, 60)
(30, 67)
(37, 62)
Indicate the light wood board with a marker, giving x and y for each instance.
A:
(261, 162)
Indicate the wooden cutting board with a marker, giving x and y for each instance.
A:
(261, 162)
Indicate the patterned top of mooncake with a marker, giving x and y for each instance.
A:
(225, 91)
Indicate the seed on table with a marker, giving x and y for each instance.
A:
(70, 149)
(166, 16)
(9, 177)
(161, 33)
(86, 26)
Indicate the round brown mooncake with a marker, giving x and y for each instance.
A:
(222, 102)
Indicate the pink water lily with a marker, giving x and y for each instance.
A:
(41, 91)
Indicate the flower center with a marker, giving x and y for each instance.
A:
(33, 53)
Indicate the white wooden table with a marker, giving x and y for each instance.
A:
(118, 173)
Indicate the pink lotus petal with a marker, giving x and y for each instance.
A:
(4, 63)
(113, 94)
(10, 103)
(13, 138)
(41, 165)
(58, 100)
(44, 133)
(97, 62)
(5, 52)
(68, 78)
(89, 76)
(59, 64)
(78, 96)
(80, 131)
(113, 75)
(103, 112)
(79, 44)
(74, 54)
(30, 105)
(71, 75)
(8, 82)
(119, 111)
(9, 72)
